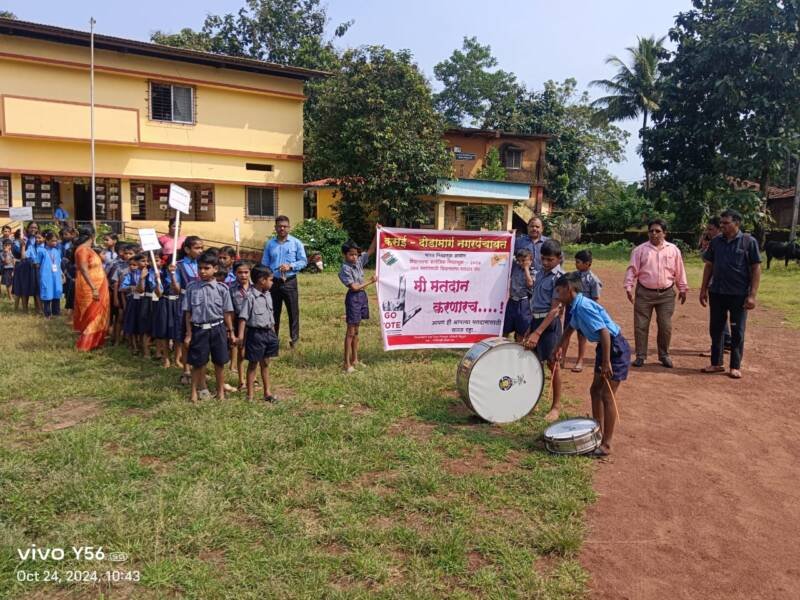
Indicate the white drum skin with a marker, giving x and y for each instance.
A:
(499, 380)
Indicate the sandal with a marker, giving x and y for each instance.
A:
(185, 379)
(598, 453)
(271, 399)
(577, 369)
(712, 369)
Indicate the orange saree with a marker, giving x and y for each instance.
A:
(90, 317)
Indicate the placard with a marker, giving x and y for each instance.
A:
(237, 236)
(20, 213)
(179, 198)
(442, 289)
(149, 240)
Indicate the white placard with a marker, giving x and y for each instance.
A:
(179, 198)
(149, 240)
(20, 213)
(237, 236)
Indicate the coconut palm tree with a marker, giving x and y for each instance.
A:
(634, 89)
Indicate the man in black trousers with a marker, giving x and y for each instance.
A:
(285, 255)
(733, 266)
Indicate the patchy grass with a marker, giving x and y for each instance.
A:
(378, 484)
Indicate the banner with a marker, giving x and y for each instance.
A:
(442, 289)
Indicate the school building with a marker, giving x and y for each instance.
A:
(228, 129)
(517, 198)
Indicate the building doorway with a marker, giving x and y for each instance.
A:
(83, 201)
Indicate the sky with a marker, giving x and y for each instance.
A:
(535, 39)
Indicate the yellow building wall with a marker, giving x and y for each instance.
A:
(326, 198)
(230, 205)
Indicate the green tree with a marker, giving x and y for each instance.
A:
(7, 14)
(730, 105)
(287, 32)
(471, 86)
(492, 168)
(634, 89)
(378, 133)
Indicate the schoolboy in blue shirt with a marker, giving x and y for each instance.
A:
(356, 302)
(257, 329)
(208, 314)
(612, 357)
(518, 307)
(545, 330)
(590, 287)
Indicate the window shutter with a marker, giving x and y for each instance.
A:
(182, 104)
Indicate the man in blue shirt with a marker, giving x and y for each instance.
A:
(285, 255)
(533, 241)
(730, 283)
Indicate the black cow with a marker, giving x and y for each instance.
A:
(785, 250)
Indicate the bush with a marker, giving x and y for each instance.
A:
(323, 236)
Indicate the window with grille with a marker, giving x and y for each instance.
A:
(512, 158)
(5, 192)
(150, 202)
(174, 103)
(261, 202)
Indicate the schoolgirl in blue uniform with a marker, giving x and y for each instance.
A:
(68, 267)
(186, 273)
(133, 300)
(168, 316)
(48, 257)
(115, 277)
(26, 279)
(150, 291)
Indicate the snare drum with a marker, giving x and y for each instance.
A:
(499, 380)
(573, 436)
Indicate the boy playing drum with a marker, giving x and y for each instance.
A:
(612, 357)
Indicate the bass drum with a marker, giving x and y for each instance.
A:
(499, 380)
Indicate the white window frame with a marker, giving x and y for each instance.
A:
(172, 86)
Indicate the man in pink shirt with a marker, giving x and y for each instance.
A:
(656, 269)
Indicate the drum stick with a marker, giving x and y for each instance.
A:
(613, 398)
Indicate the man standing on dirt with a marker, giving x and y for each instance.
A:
(656, 268)
(533, 241)
(733, 268)
(285, 255)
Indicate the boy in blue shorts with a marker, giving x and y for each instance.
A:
(518, 307)
(356, 303)
(208, 313)
(544, 332)
(611, 359)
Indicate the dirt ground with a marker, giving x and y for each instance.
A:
(701, 497)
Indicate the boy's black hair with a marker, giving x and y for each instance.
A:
(714, 221)
(259, 272)
(112, 236)
(124, 247)
(551, 248)
(522, 253)
(229, 250)
(571, 279)
(241, 263)
(208, 258)
(136, 257)
(8, 242)
(585, 256)
(214, 251)
(349, 245)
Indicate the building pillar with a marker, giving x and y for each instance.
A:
(17, 197)
(509, 211)
(440, 214)
(124, 203)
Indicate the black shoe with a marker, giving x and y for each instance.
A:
(639, 362)
(666, 361)
(271, 399)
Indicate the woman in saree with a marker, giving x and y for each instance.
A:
(92, 299)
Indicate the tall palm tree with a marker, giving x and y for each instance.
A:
(634, 89)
